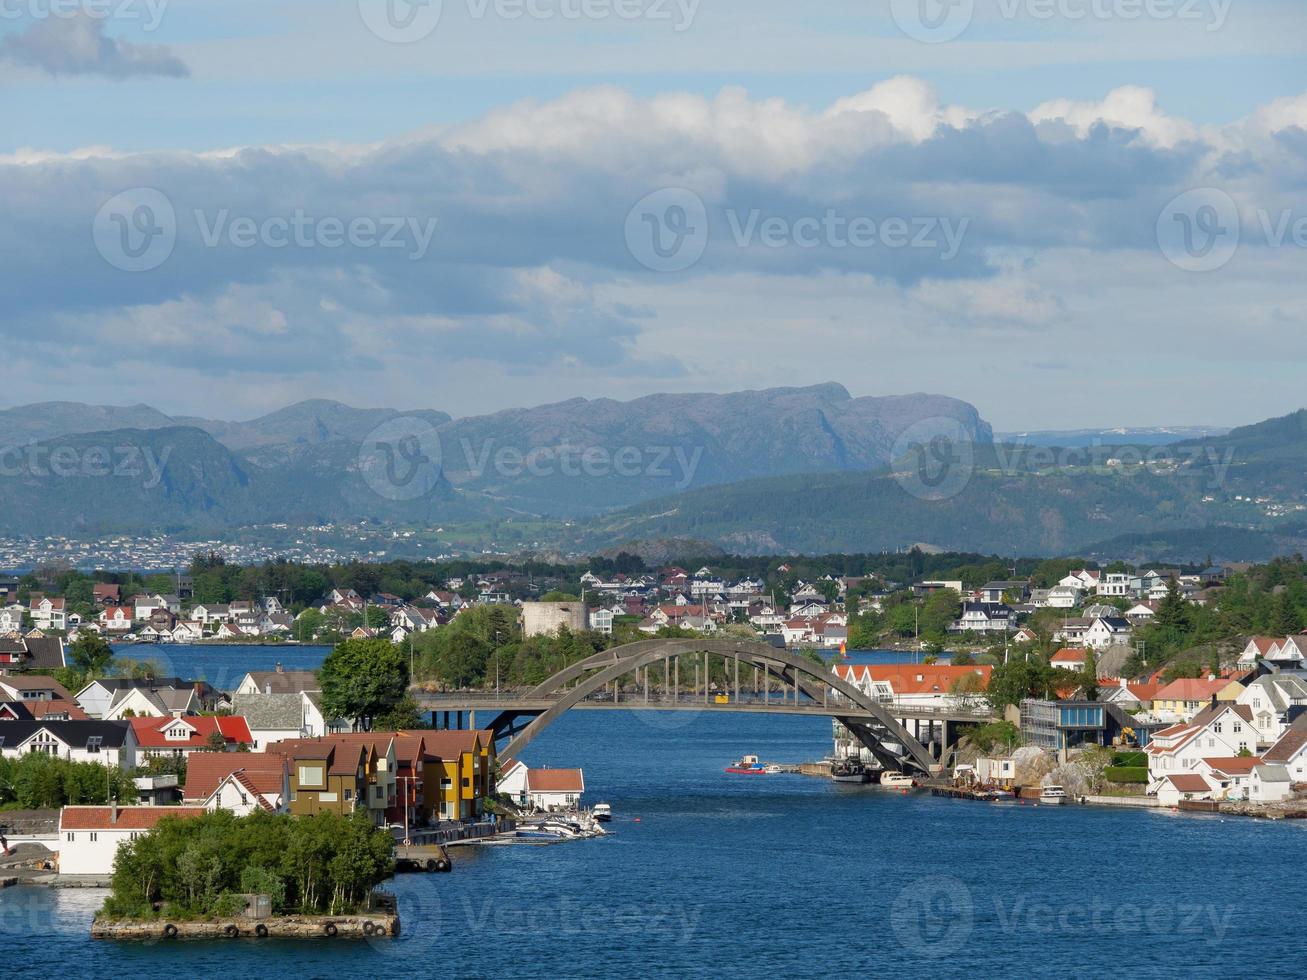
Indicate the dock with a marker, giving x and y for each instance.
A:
(429, 858)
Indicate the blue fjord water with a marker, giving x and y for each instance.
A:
(708, 874)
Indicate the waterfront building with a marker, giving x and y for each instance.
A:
(89, 836)
(328, 776)
(1062, 725)
(1221, 730)
(466, 774)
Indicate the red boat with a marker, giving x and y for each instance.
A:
(748, 766)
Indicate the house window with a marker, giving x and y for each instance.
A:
(349, 794)
(94, 836)
(93, 743)
(72, 837)
(311, 777)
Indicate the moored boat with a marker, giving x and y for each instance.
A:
(848, 771)
(603, 812)
(747, 766)
(1052, 796)
(892, 779)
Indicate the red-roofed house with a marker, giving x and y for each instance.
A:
(554, 789)
(927, 685)
(1229, 776)
(181, 736)
(1183, 786)
(217, 780)
(1069, 658)
(89, 836)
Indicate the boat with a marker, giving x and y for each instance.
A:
(848, 771)
(773, 770)
(603, 812)
(747, 766)
(892, 779)
(1002, 795)
(1052, 795)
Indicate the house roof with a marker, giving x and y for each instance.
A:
(1070, 655)
(914, 678)
(284, 681)
(1189, 782)
(1234, 765)
(555, 781)
(45, 653)
(112, 734)
(35, 682)
(451, 744)
(1192, 689)
(150, 731)
(205, 771)
(128, 818)
(270, 712)
(1290, 744)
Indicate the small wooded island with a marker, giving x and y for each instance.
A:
(264, 875)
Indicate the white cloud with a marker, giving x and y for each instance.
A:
(78, 45)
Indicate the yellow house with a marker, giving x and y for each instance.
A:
(467, 779)
(1185, 697)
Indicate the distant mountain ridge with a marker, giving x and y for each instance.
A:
(302, 464)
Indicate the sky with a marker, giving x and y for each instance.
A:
(1071, 213)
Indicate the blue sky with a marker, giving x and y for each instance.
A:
(1035, 159)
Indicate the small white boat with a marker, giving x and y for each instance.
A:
(896, 780)
(603, 812)
(1052, 795)
(773, 770)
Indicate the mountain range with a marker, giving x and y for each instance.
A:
(782, 470)
(321, 461)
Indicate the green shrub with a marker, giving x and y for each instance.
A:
(1126, 774)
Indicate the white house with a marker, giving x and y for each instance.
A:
(49, 613)
(1218, 731)
(1270, 783)
(1270, 697)
(1257, 648)
(1291, 752)
(1106, 631)
(601, 620)
(89, 836)
(107, 743)
(1069, 658)
(554, 789)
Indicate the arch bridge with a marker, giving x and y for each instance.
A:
(774, 680)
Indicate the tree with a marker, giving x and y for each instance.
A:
(1089, 685)
(91, 654)
(1285, 619)
(362, 679)
(403, 714)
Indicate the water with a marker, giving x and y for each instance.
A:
(222, 665)
(711, 874)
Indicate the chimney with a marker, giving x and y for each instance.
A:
(113, 813)
(267, 688)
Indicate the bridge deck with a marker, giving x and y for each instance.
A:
(632, 702)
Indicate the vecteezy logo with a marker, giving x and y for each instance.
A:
(136, 231)
(933, 917)
(933, 21)
(667, 231)
(401, 21)
(1198, 231)
(933, 459)
(400, 459)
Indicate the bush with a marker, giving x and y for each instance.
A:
(1126, 774)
